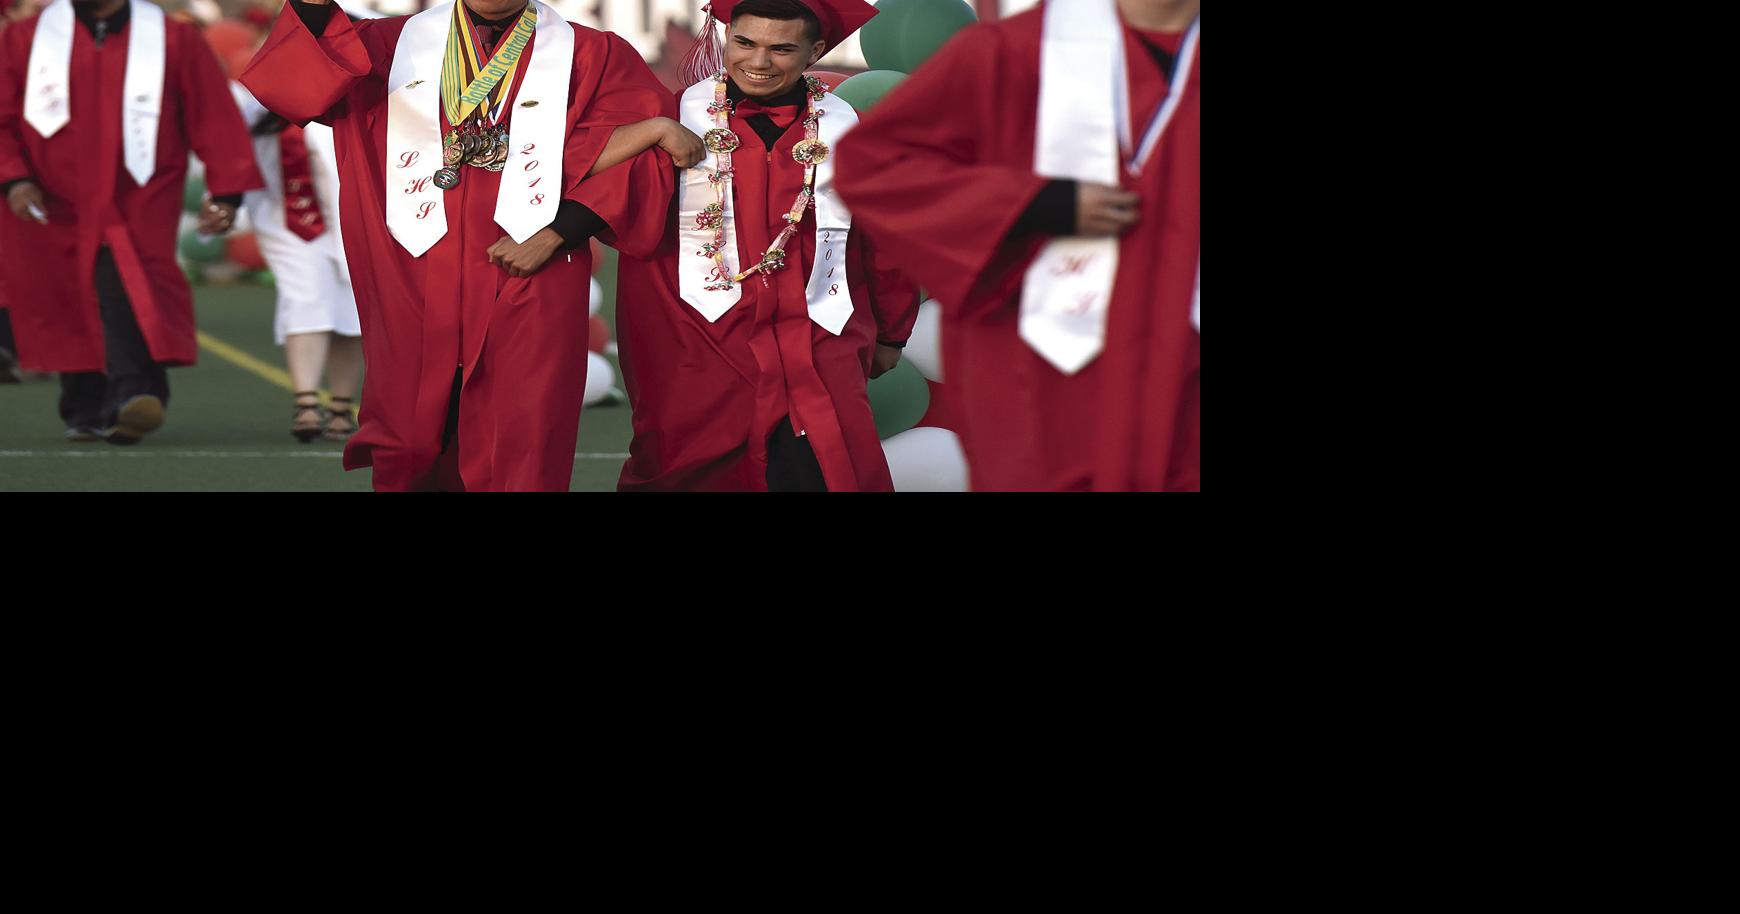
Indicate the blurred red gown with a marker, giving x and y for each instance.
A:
(521, 342)
(707, 395)
(92, 200)
(940, 170)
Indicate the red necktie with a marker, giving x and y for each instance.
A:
(301, 209)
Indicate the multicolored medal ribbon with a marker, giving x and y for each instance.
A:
(467, 82)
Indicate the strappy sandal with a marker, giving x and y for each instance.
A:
(340, 421)
(305, 421)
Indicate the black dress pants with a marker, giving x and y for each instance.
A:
(91, 399)
(6, 341)
(791, 462)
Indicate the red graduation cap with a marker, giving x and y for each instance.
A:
(839, 19)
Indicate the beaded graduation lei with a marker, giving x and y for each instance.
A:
(808, 153)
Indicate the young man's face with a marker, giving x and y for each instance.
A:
(766, 57)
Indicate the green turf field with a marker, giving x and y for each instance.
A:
(229, 428)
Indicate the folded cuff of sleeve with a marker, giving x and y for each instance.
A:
(314, 15)
(1052, 211)
(576, 223)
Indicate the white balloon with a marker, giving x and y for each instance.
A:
(924, 347)
(600, 379)
(926, 460)
(597, 298)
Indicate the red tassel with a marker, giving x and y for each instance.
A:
(706, 56)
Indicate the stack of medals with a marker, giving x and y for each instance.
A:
(722, 141)
(475, 145)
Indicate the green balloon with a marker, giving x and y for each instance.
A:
(905, 33)
(193, 194)
(196, 248)
(866, 89)
(899, 399)
(265, 278)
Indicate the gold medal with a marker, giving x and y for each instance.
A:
(721, 140)
(496, 158)
(810, 152)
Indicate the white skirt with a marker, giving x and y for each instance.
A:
(314, 293)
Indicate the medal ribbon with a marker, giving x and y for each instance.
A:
(463, 59)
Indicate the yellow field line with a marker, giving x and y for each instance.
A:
(271, 374)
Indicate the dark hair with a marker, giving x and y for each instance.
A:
(781, 9)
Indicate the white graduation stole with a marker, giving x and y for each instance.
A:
(828, 295)
(1067, 292)
(47, 105)
(531, 181)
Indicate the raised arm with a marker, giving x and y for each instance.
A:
(301, 74)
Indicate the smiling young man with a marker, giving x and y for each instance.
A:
(100, 102)
(466, 136)
(746, 341)
(1055, 212)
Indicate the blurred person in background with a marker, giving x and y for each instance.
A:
(100, 103)
(1041, 176)
(11, 11)
(295, 220)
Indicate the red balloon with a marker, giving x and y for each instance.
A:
(244, 251)
(831, 79)
(597, 334)
(227, 37)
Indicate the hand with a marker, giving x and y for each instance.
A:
(216, 218)
(883, 361)
(1101, 210)
(21, 197)
(525, 259)
(684, 146)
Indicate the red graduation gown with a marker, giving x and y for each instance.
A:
(940, 170)
(521, 342)
(707, 395)
(93, 201)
